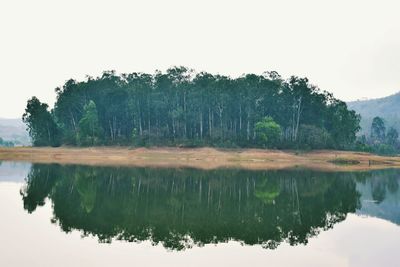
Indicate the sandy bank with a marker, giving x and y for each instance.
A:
(203, 158)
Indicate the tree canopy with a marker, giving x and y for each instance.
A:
(41, 124)
(378, 129)
(380, 141)
(182, 108)
(89, 128)
(268, 131)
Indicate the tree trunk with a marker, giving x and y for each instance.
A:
(111, 130)
(293, 122)
(220, 120)
(209, 123)
(173, 127)
(240, 118)
(140, 119)
(73, 122)
(201, 125)
(298, 118)
(248, 126)
(184, 114)
(48, 133)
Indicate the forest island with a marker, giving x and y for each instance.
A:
(112, 116)
(181, 108)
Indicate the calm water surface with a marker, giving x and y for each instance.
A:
(53, 215)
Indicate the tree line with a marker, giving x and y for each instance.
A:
(382, 140)
(182, 108)
(4, 143)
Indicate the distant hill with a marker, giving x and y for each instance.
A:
(386, 107)
(14, 130)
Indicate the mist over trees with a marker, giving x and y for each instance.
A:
(382, 140)
(182, 108)
(387, 108)
(13, 131)
(4, 143)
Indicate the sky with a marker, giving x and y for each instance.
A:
(348, 47)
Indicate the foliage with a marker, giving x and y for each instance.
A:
(179, 107)
(379, 141)
(384, 149)
(268, 131)
(342, 124)
(6, 143)
(344, 161)
(314, 137)
(41, 125)
(392, 136)
(378, 129)
(89, 128)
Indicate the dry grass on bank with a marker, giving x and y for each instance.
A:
(202, 158)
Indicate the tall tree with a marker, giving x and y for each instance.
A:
(378, 129)
(89, 127)
(41, 125)
(392, 136)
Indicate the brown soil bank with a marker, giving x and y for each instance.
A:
(203, 158)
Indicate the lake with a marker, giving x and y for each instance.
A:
(70, 215)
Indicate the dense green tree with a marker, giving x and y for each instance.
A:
(41, 125)
(89, 127)
(314, 137)
(181, 107)
(268, 131)
(341, 123)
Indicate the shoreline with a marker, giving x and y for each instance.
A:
(201, 158)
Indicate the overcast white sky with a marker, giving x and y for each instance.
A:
(351, 48)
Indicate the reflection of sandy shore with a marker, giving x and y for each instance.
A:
(203, 158)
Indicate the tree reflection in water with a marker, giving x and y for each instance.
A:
(181, 208)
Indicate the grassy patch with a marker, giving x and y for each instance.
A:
(342, 161)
